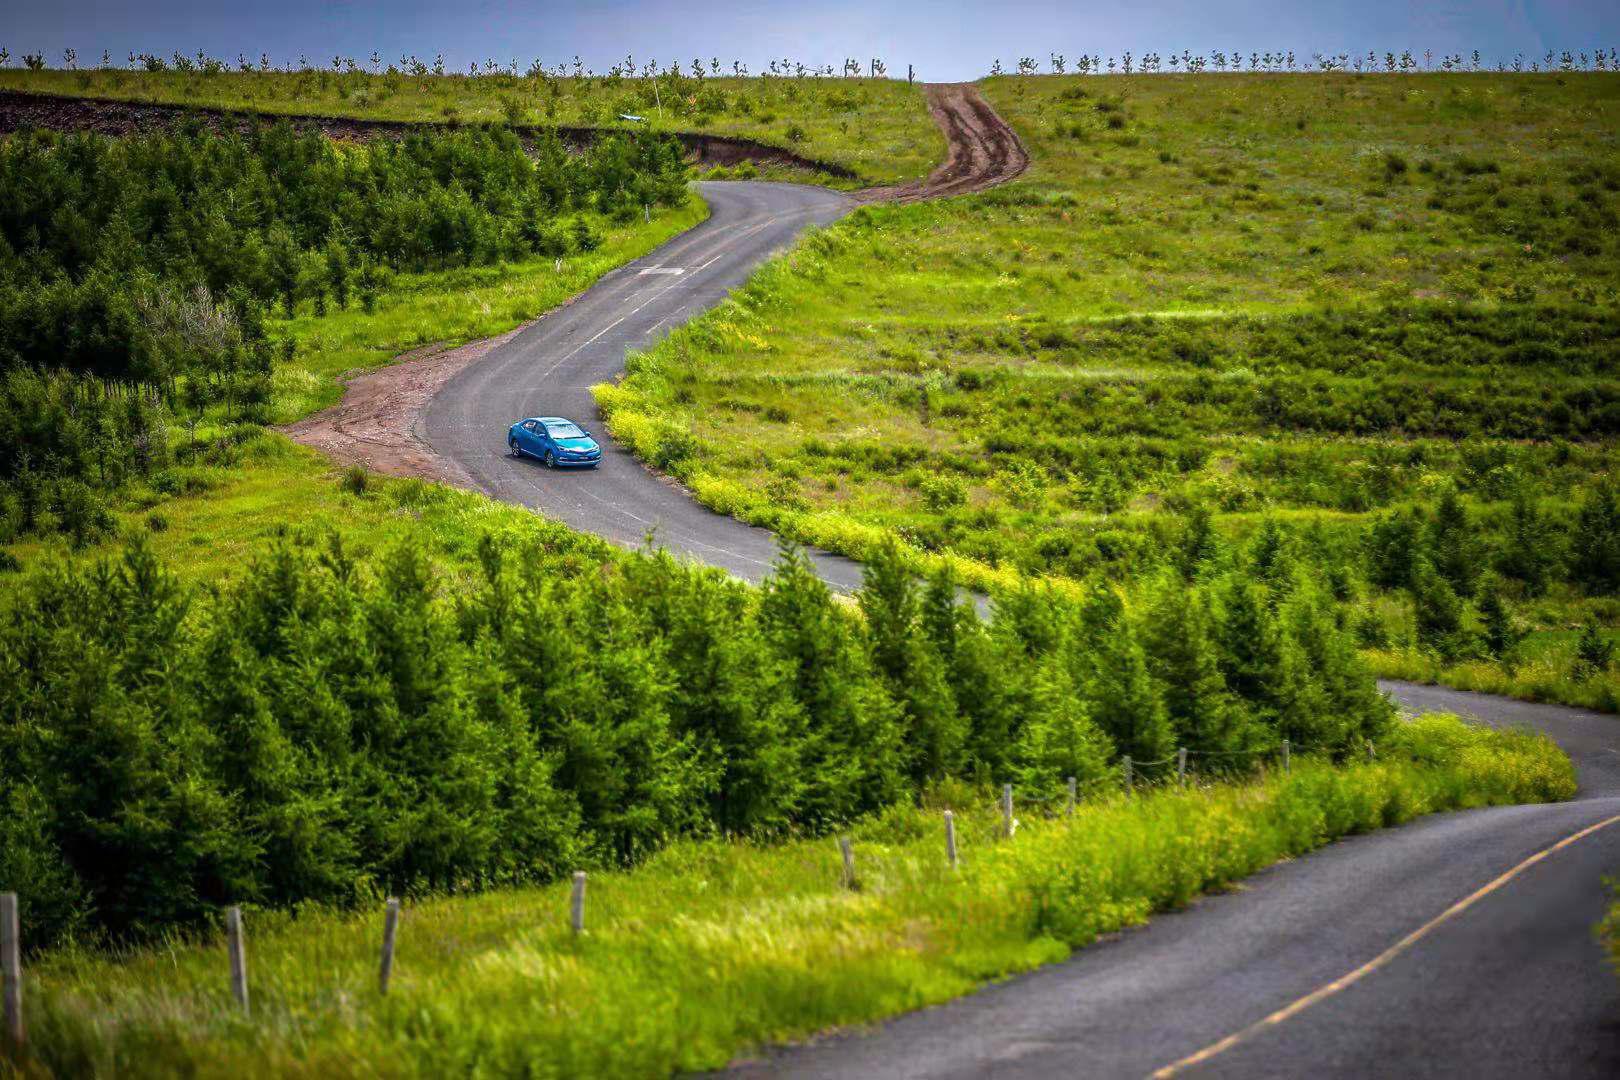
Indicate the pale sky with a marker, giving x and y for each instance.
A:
(944, 39)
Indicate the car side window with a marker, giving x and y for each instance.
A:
(528, 425)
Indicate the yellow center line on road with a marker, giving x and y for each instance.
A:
(1344, 981)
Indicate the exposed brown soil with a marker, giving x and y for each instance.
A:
(982, 150)
(109, 116)
(375, 423)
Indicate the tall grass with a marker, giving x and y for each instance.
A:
(712, 949)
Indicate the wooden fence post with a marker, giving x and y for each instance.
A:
(1007, 825)
(1370, 755)
(390, 929)
(1130, 777)
(1181, 765)
(847, 849)
(11, 968)
(237, 947)
(1069, 810)
(950, 839)
(1288, 765)
(577, 908)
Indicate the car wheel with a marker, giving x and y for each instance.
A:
(551, 460)
(516, 450)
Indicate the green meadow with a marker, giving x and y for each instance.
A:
(1314, 300)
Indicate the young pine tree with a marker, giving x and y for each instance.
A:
(1502, 632)
(1531, 548)
(1110, 670)
(982, 672)
(1058, 738)
(905, 656)
(1393, 546)
(538, 823)
(853, 750)
(1595, 546)
(339, 271)
(1438, 612)
(1199, 543)
(1262, 665)
(1272, 558)
(1594, 652)
(1178, 632)
(1453, 548)
(730, 695)
(1341, 706)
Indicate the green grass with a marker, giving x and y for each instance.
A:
(1119, 334)
(1311, 297)
(215, 512)
(878, 128)
(1544, 672)
(223, 515)
(1608, 930)
(451, 307)
(713, 949)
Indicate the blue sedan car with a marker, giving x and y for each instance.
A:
(555, 441)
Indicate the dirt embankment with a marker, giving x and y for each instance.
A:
(108, 116)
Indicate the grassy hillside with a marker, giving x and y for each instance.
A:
(1311, 297)
(131, 264)
(879, 128)
(763, 944)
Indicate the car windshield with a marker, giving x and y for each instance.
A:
(565, 431)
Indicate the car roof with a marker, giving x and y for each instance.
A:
(552, 420)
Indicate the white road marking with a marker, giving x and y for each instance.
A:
(663, 270)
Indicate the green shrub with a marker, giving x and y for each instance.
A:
(324, 725)
(356, 481)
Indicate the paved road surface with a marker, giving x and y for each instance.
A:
(550, 367)
(1515, 986)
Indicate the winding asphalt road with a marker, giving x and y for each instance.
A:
(1513, 986)
(549, 368)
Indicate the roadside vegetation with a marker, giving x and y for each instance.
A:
(764, 944)
(325, 723)
(149, 323)
(877, 128)
(1608, 929)
(1373, 317)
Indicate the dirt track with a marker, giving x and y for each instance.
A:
(982, 151)
(377, 423)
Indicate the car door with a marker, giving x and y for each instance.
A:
(528, 438)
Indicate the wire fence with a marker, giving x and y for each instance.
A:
(1132, 773)
(13, 1033)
